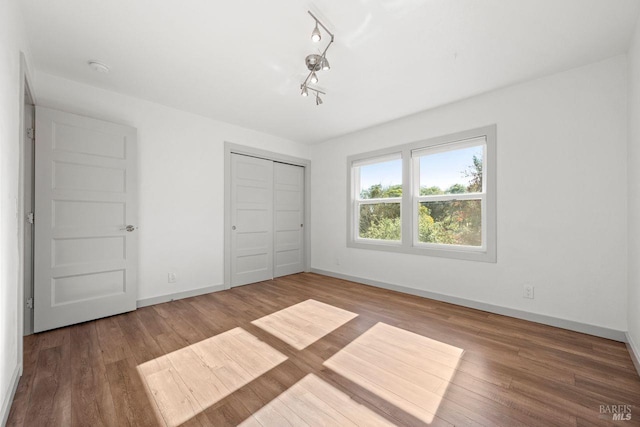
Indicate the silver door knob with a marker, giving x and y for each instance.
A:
(128, 228)
(233, 227)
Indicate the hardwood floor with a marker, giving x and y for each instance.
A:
(312, 350)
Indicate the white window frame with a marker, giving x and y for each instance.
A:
(409, 202)
(358, 202)
(417, 198)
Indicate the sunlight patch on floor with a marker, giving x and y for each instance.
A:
(312, 401)
(303, 324)
(406, 369)
(187, 381)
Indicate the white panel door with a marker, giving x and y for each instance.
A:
(251, 220)
(289, 219)
(85, 219)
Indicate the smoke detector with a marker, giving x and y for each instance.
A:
(99, 67)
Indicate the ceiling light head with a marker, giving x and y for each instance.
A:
(99, 67)
(314, 78)
(325, 64)
(318, 99)
(305, 91)
(315, 35)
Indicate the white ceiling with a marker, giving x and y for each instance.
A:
(243, 61)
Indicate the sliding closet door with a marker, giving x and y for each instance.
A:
(251, 220)
(289, 219)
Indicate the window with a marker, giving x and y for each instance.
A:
(434, 197)
(449, 194)
(378, 197)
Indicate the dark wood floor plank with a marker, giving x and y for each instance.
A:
(143, 347)
(54, 338)
(177, 316)
(510, 371)
(208, 308)
(31, 351)
(91, 402)
(112, 341)
(50, 401)
(133, 403)
(154, 324)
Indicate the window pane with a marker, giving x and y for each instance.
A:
(380, 221)
(452, 172)
(455, 222)
(381, 180)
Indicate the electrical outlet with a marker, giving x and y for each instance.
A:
(528, 291)
(337, 261)
(172, 278)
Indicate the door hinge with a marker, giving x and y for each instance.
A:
(30, 303)
(30, 218)
(31, 133)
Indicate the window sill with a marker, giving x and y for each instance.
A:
(453, 253)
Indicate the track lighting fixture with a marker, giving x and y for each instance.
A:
(316, 62)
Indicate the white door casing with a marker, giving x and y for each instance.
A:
(289, 219)
(86, 196)
(28, 205)
(251, 220)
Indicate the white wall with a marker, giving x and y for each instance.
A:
(12, 41)
(634, 191)
(181, 180)
(562, 198)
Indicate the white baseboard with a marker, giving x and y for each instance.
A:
(634, 351)
(8, 399)
(178, 295)
(571, 325)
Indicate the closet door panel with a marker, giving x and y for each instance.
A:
(289, 219)
(252, 219)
